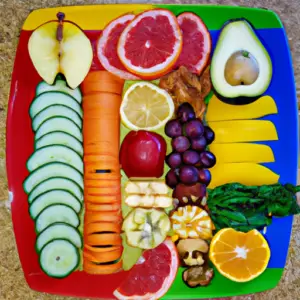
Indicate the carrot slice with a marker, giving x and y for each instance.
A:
(111, 190)
(108, 216)
(102, 199)
(101, 249)
(102, 227)
(102, 75)
(97, 148)
(101, 176)
(92, 268)
(102, 86)
(103, 207)
(103, 257)
(100, 183)
(103, 239)
(102, 102)
(100, 158)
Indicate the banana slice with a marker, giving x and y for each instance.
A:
(147, 188)
(148, 201)
(146, 228)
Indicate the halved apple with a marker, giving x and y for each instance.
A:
(60, 47)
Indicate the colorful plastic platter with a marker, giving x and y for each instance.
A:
(20, 145)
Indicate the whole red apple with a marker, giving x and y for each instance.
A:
(142, 154)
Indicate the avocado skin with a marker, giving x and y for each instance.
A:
(241, 100)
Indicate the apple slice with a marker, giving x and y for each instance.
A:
(60, 47)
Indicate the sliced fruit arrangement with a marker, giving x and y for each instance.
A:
(101, 131)
(239, 256)
(146, 106)
(196, 43)
(148, 194)
(150, 44)
(60, 47)
(107, 47)
(240, 66)
(55, 184)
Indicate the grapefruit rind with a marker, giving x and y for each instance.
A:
(167, 282)
(101, 43)
(206, 39)
(159, 69)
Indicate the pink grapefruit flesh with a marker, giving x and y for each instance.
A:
(107, 47)
(151, 44)
(196, 43)
(152, 277)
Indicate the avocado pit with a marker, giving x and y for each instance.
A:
(241, 69)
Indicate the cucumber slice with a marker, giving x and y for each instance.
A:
(59, 138)
(57, 183)
(59, 124)
(55, 169)
(59, 86)
(54, 153)
(59, 258)
(56, 213)
(58, 231)
(51, 98)
(53, 197)
(56, 111)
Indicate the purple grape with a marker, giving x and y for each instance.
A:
(173, 128)
(181, 144)
(172, 178)
(199, 143)
(185, 112)
(204, 176)
(191, 157)
(188, 174)
(194, 128)
(174, 160)
(209, 134)
(207, 159)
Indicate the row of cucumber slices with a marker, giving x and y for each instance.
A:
(55, 183)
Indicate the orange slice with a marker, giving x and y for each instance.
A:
(150, 44)
(239, 256)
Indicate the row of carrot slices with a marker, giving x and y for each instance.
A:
(102, 180)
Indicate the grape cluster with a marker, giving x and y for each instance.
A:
(189, 161)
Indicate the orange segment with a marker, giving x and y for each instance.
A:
(239, 256)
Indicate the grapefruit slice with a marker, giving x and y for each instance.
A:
(196, 43)
(151, 279)
(151, 44)
(107, 47)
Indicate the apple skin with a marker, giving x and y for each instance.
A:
(143, 154)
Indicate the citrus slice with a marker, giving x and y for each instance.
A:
(150, 45)
(146, 106)
(152, 276)
(107, 47)
(196, 43)
(239, 256)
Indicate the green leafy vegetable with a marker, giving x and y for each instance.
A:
(248, 207)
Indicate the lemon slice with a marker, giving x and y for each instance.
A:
(146, 106)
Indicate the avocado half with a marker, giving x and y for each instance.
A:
(241, 66)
